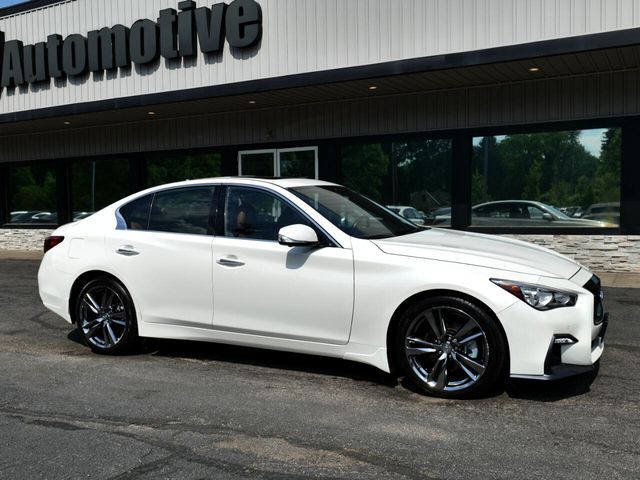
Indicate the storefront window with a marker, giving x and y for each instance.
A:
(556, 179)
(32, 194)
(175, 168)
(96, 184)
(411, 178)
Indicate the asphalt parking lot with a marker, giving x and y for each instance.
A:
(190, 411)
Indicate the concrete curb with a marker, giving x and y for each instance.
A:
(20, 255)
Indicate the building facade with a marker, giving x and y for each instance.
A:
(514, 117)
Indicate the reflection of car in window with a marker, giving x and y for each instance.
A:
(410, 213)
(604, 212)
(525, 213)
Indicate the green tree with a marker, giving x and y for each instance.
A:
(363, 169)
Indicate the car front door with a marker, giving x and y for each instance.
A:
(162, 252)
(264, 288)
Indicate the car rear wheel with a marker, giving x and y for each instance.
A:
(105, 316)
(449, 347)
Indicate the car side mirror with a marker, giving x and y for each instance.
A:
(298, 235)
(547, 216)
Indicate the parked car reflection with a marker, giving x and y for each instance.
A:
(526, 213)
(604, 212)
(408, 212)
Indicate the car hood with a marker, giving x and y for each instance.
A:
(482, 250)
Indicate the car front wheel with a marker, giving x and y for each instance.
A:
(105, 316)
(449, 347)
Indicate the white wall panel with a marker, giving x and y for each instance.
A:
(303, 36)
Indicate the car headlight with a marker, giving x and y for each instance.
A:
(540, 298)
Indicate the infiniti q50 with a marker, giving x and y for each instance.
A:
(313, 267)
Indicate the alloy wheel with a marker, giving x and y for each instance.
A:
(103, 317)
(446, 348)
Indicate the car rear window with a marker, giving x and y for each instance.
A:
(136, 214)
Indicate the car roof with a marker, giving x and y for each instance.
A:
(501, 202)
(244, 180)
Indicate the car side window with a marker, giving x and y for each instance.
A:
(135, 214)
(182, 210)
(535, 212)
(256, 214)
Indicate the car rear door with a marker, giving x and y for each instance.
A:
(264, 288)
(162, 252)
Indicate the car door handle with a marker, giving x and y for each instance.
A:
(230, 262)
(127, 251)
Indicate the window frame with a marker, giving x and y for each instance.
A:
(213, 210)
(325, 239)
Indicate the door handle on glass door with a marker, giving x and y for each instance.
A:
(230, 261)
(127, 251)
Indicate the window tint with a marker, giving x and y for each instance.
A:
(165, 168)
(567, 171)
(257, 214)
(136, 214)
(184, 210)
(354, 214)
(32, 194)
(96, 184)
(416, 174)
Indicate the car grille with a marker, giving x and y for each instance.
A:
(594, 286)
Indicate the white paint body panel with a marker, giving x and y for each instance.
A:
(335, 301)
(304, 36)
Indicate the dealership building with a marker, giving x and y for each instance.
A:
(511, 117)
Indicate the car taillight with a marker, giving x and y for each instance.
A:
(51, 242)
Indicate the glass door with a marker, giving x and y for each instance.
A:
(299, 162)
(257, 163)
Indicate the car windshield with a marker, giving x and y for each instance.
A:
(557, 212)
(354, 214)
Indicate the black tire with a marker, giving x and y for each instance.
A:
(445, 364)
(105, 317)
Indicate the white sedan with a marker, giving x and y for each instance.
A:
(313, 267)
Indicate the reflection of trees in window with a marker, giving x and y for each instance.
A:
(98, 183)
(364, 168)
(401, 173)
(32, 188)
(182, 167)
(553, 167)
(422, 176)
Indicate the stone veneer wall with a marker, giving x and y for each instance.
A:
(602, 253)
(23, 240)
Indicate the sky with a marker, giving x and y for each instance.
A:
(590, 139)
(8, 3)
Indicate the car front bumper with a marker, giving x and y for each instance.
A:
(558, 343)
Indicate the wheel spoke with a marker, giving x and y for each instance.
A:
(436, 372)
(466, 328)
(112, 335)
(469, 373)
(417, 346)
(434, 324)
(107, 298)
(443, 326)
(91, 303)
(472, 364)
(105, 335)
(118, 322)
(94, 325)
(470, 337)
(118, 315)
